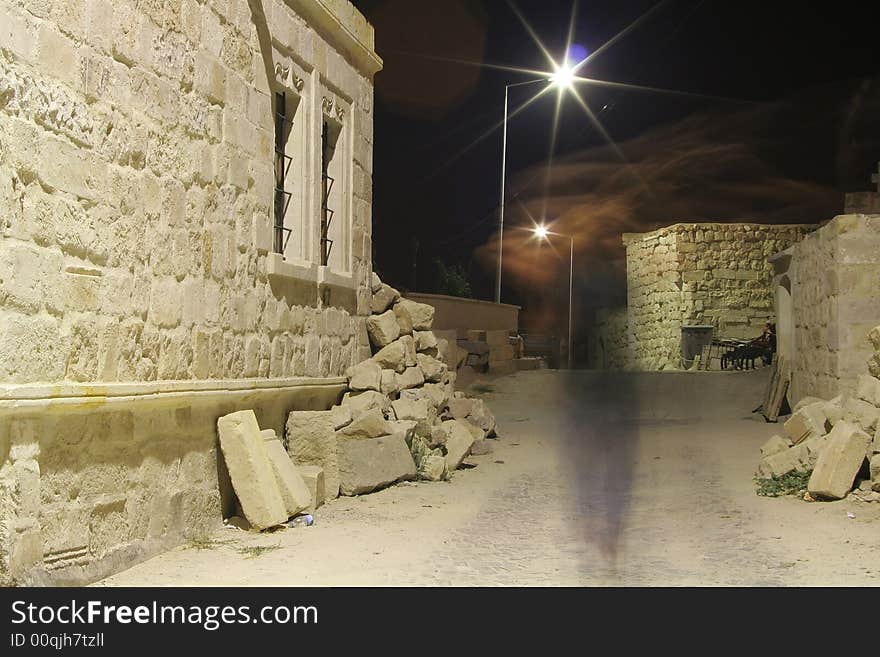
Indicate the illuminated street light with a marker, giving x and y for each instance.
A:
(563, 79)
(543, 233)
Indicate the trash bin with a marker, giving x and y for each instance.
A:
(693, 339)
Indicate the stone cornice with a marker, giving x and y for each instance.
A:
(352, 37)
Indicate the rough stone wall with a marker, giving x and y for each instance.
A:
(609, 344)
(136, 178)
(706, 273)
(654, 298)
(834, 279)
(136, 214)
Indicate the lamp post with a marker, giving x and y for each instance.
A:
(542, 233)
(563, 78)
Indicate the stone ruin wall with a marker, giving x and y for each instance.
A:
(706, 273)
(136, 213)
(834, 281)
(609, 347)
(653, 292)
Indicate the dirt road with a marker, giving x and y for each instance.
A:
(598, 479)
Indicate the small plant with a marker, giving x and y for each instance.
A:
(254, 551)
(787, 484)
(483, 387)
(206, 544)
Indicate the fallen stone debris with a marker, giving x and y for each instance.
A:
(837, 442)
(400, 420)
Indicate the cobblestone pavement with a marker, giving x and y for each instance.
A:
(636, 479)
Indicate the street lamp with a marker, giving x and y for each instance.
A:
(562, 78)
(543, 233)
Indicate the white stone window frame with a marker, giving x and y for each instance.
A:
(336, 111)
(300, 259)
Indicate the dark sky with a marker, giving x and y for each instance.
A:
(792, 125)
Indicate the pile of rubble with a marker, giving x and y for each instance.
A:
(401, 419)
(839, 440)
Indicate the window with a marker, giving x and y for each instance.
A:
(289, 235)
(335, 216)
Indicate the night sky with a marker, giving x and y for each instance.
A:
(789, 122)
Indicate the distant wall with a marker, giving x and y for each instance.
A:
(460, 314)
(705, 273)
(834, 280)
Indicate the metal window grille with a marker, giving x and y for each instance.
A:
(326, 188)
(282, 168)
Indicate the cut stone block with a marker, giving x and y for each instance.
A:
(796, 458)
(313, 476)
(432, 368)
(806, 401)
(361, 402)
(833, 411)
(477, 432)
(412, 377)
(392, 356)
(375, 282)
(365, 376)
(862, 413)
(422, 314)
(383, 329)
(775, 445)
(294, 491)
(268, 434)
(403, 319)
(408, 409)
(482, 416)
(460, 408)
(409, 354)
(389, 383)
(383, 299)
(341, 415)
(311, 440)
(368, 465)
(247, 460)
(425, 340)
(459, 441)
(868, 389)
(839, 462)
(808, 420)
(370, 424)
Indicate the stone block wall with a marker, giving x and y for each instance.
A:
(706, 274)
(833, 280)
(137, 176)
(609, 346)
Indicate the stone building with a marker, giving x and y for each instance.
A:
(827, 290)
(693, 274)
(185, 211)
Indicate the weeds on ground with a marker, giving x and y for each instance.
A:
(788, 484)
(206, 544)
(254, 551)
(483, 387)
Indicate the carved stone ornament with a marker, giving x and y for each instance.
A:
(327, 105)
(285, 76)
(281, 73)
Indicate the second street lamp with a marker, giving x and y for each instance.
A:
(542, 233)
